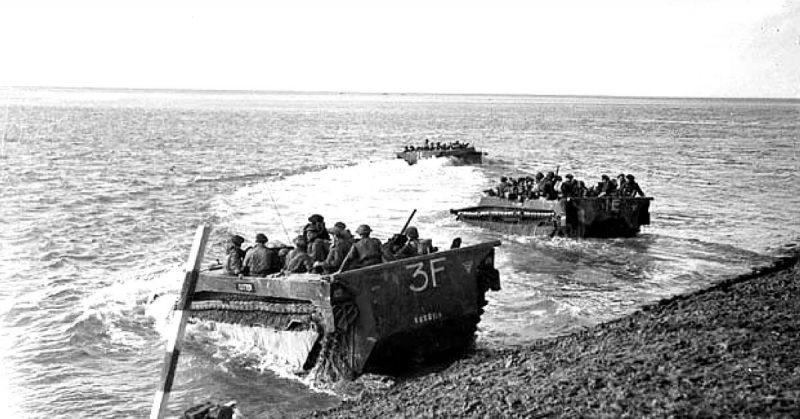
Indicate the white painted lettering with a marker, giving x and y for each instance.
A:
(418, 272)
(435, 269)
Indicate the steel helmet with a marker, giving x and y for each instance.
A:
(412, 232)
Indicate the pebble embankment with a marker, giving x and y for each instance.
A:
(732, 350)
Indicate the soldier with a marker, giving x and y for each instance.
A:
(415, 246)
(620, 183)
(412, 247)
(606, 186)
(568, 187)
(392, 246)
(547, 186)
(631, 188)
(557, 181)
(235, 255)
(317, 247)
(298, 260)
(502, 187)
(261, 261)
(342, 242)
(365, 252)
(580, 189)
(318, 221)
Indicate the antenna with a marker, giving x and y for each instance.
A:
(275, 207)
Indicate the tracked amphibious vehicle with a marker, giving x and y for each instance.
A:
(373, 319)
(463, 155)
(570, 217)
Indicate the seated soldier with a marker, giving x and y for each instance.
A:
(415, 246)
(283, 252)
(365, 252)
(580, 189)
(547, 186)
(317, 247)
(620, 184)
(318, 222)
(630, 188)
(392, 246)
(342, 242)
(606, 187)
(298, 260)
(502, 187)
(260, 260)
(568, 186)
(234, 255)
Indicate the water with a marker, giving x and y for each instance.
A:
(101, 192)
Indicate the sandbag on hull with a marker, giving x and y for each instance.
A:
(373, 319)
(570, 217)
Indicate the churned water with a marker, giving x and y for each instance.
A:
(101, 191)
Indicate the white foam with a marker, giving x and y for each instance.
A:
(379, 193)
(281, 352)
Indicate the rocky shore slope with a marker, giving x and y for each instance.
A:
(732, 350)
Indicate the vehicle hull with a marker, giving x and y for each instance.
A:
(570, 217)
(374, 319)
(460, 156)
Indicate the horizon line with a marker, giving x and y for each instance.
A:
(387, 93)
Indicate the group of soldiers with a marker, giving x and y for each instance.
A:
(321, 250)
(429, 146)
(553, 186)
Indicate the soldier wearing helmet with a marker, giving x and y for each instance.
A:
(260, 260)
(317, 222)
(365, 252)
(412, 247)
(235, 255)
(630, 188)
(298, 260)
(569, 186)
(342, 242)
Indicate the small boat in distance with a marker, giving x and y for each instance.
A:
(577, 217)
(460, 153)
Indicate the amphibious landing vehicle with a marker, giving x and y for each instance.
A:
(570, 217)
(373, 319)
(463, 155)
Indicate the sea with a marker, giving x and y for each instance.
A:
(101, 192)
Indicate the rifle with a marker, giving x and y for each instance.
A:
(408, 221)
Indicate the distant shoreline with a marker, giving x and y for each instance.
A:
(727, 350)
(334, 93)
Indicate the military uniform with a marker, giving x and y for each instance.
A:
(366, 251)
(298, 261)
(262, 261)
(341, 246)
(234, 262)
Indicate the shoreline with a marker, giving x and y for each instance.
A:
(732, 349)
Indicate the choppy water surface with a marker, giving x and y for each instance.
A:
(100, 193)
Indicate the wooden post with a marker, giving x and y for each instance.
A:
(182, 310)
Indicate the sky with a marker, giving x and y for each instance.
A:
(713, 48)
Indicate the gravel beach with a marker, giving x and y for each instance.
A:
(732, 350)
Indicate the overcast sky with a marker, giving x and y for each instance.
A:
(725, 48)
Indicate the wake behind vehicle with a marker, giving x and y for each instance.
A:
(576, 217)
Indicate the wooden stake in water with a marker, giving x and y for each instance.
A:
(182, 312)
